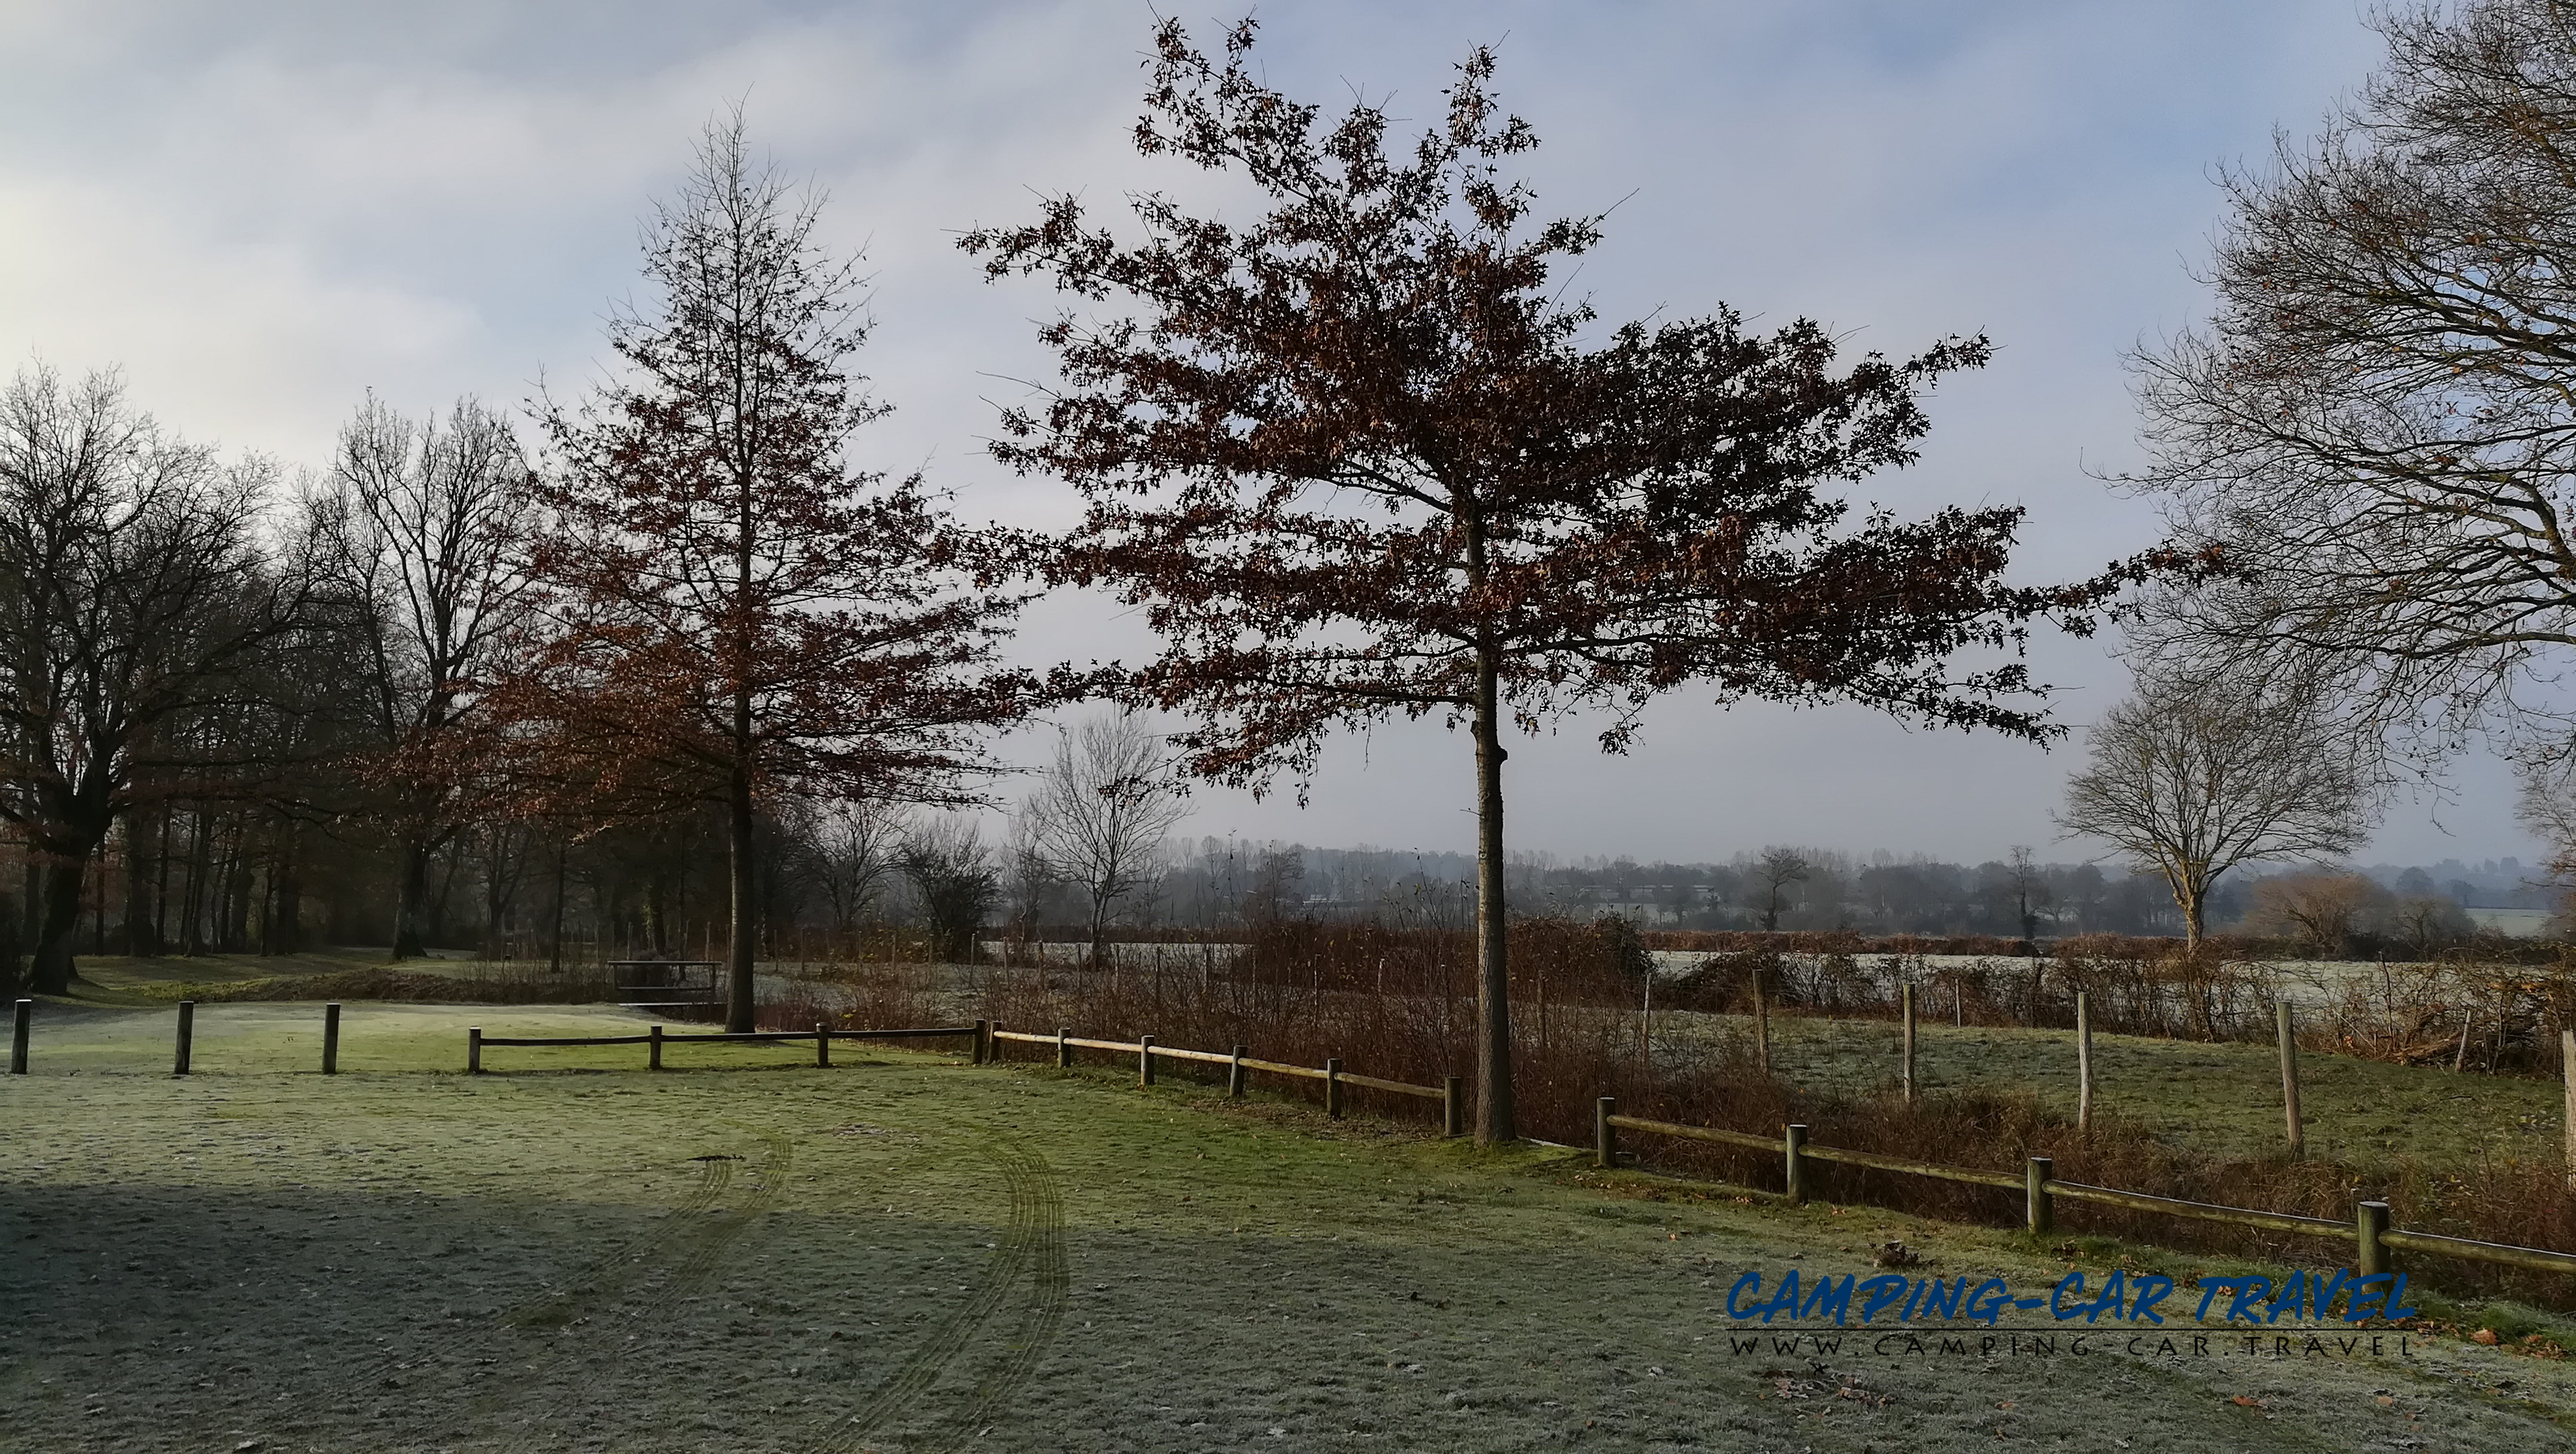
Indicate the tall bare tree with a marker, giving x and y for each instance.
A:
(133, 594)
(2373, 429)
(734, 613)
(1775, 870)
(2192, 778)
(1101, 811)
(1354, 460)
(427, 528)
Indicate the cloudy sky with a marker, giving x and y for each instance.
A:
(260, 211)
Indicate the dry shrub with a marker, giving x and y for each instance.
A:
(478, 984)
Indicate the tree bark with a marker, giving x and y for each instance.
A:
(739, 987)
(1496, 1116)
(62, 878)
(142, 872)
(411, 902)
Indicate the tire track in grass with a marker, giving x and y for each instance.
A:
(458, 1342)
(1033, 1242)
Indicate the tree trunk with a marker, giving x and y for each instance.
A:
(142, 927)
(63, 878)
(1496, 1116)
(411, 902)
(739, 987)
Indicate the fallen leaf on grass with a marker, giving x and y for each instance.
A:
(2484, 1335)
(2242, 1402)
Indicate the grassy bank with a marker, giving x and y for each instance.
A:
(904, 1251)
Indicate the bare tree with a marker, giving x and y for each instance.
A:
(2029, 888)
(952, 874)
(427, 531)
(1773, 873)
(2322, 909)
(133, 594)
(2192, 778)
(852, 850)
(2372, 432)
(1101, 811)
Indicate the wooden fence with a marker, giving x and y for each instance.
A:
(2368, 1230)
(655, 1037)
(1450, 1093)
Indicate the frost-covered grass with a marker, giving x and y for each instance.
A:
(906, 1252)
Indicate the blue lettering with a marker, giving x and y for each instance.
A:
(1943, 1302)
(2211, 1287)
(1830, 1298)
(2154, 1288)
(2115, 1289)
(2396, 1301)
(1989, 1300)
(1878, 1292)
(2293, 1299)
(1786, 1299)
(2250, 1292)
(2326, 1292)
(2363, 1297)
(1752, 1278)
(2056, 1307)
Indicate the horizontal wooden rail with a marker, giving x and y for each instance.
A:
(2531, 1257)
(1215, 1057)
(2138, 1201)
(1397, 1087)
(741, 1036)
(1717, 1134)
(1911, 1167)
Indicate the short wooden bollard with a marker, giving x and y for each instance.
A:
(2369, 1225)
(187, 1033)
(26, 1023)
(1453, 1106)
(983, 1039)
(1605, 1137)
(1333, 1089)
(2298, 1131)
(1235, 1074)
(1793, 1177)
(1144, 1060)
(653, 1048)
(2083, 1062)
(330, 1039)
(1905, 1070)
(1063, 1048)
(822, 1047)
(474, 1050)
(2039, 1204)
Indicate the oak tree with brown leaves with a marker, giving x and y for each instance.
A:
(734, 613)
(1357, 458)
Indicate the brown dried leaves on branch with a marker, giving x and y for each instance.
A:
(1350, 445)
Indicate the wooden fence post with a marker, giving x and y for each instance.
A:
(1905, 1072)
(18, 1035)
(1063, 1048)
(2370, 1223)
(1453, 1106)
(822, 1046)
(1333, 1089)
(2083, 1062)
(2566, 1073)
(474, 1050)
(187, 1033)
(2039, 1206)
(983, 1038)
(993, 1043)
(1605, 1137)
(1761, 1025)
(2290, 1080)
(1144, 1060)
(330, 1039)
(653, 1053)
(1234, 1075)
(1794, 1172)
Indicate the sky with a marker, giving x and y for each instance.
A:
(261, 211)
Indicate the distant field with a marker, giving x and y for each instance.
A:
(905, 1252)
(2224, 1098)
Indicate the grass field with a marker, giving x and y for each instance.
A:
(905, 1252)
